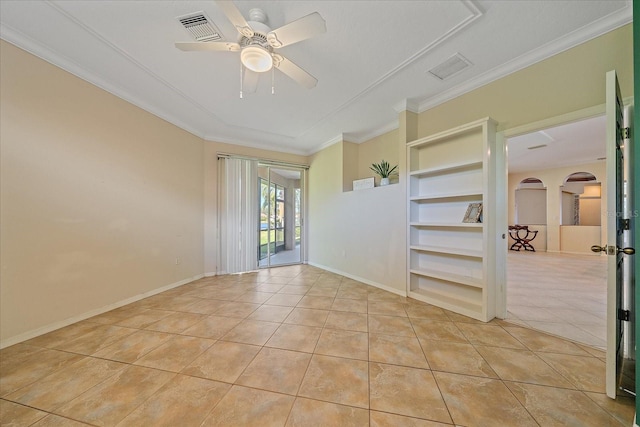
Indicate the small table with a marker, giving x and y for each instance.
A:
(523, 237)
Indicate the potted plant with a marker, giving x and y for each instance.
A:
(385, 170)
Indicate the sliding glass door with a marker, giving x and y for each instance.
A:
(280, 212)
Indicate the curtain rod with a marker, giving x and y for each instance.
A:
(263, 161)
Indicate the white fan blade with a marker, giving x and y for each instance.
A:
(236, 18)
(211, 46)
(250, 81)
(298, 30)
(296, 73)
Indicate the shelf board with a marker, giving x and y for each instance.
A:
(447, 224)
(450, 277)
(444, 250)
(445, 300)
(440, 170)
(448, 296)
(451, 195)
(476, 126)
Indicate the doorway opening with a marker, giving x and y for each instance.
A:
(280, 230)
(555, 176)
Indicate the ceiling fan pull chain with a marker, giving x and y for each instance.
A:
(241, 78)
(273, 79)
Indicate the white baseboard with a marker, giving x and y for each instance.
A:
(211, 274)
(66, 322)
(402, 293)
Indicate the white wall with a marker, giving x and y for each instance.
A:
(360, 234)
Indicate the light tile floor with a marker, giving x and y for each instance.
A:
(298, 346)
(563, 294)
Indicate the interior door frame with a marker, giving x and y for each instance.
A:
(502, 136)
(303, 170)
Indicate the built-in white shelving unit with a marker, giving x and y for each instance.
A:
(452, 263)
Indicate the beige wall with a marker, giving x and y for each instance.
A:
(383, 147)
(350, 154)
(99, 199)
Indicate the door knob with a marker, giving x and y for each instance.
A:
(628, 251)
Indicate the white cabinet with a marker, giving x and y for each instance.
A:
(452, 264)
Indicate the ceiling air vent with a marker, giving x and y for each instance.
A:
(200, 27)
(451, 66)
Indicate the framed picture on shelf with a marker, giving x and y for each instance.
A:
(474, 213)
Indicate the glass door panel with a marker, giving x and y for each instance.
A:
(280, 225)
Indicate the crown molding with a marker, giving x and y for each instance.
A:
(25, 43)
(336, 139)
(407, 105)
(474, 13)
(608, 23)
(595, 29)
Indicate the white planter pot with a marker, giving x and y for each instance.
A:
(384, 181)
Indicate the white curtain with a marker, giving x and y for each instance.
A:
(238, 206)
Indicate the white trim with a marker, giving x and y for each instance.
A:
(336, 139)
(591, 31)
(407, 105)
(211, 274)
(401, 292)
(474, 14)
(66, 322)
(570, 117)
(573, 116)
(23, 42)
(608, 23)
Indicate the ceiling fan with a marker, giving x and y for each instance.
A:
(258, 44)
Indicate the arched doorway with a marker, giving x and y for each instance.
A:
(580, 212)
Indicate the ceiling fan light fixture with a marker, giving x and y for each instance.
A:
(256, 58)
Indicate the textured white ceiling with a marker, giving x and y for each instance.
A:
(372, 61)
